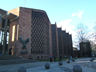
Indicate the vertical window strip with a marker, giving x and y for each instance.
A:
(13, 33)
(17, 31)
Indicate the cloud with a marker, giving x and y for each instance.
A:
(66, 25)
(69, 26)
(64, 22)
(78, 14)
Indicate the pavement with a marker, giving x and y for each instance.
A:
(66, 67)
(85, 63)
(54, 67)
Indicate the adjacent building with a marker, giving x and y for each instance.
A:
(3, 48)
(85, 49)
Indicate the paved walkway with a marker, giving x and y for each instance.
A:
(15, 67)
(54, 67)
(64, 68)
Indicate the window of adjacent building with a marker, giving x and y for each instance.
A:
(7, 37)
(13, 33)
(12, 50)
(17, 31)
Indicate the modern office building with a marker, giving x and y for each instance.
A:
(30, 33)
(2, 12)
(64, 44)
(55, 49)
(70, 45)
(59, 32)
(67, 49)
(3, 42)
(61, 43)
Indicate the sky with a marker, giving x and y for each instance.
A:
(68, 14)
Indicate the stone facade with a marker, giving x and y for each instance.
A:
(59, 31)
(31, 35)
(55, 49)
(64, 43)
(32, 25)
(67, 49)
(61, 43)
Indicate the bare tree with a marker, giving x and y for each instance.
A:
(82, 33)
(93, 41)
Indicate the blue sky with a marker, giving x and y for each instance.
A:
(66, 13)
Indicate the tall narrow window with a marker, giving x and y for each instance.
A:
(13, 33)
(12, 51)
(17, 31)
